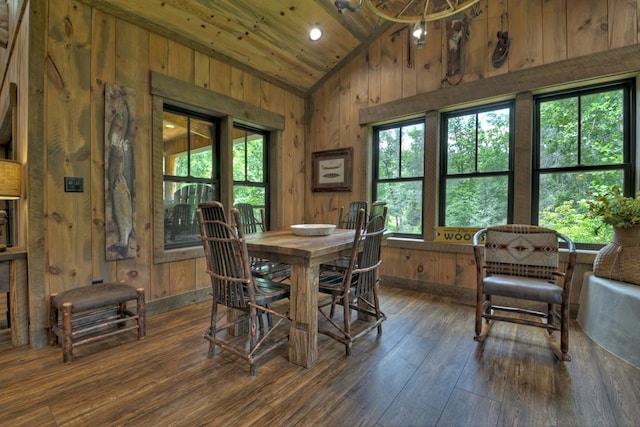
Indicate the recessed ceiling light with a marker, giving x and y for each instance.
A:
(315, 34)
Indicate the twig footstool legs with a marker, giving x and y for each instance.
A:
(88, 315)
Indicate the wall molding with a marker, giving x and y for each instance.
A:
(601, 65)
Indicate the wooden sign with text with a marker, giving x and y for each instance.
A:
(455, 234)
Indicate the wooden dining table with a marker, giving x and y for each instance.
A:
(304, 254)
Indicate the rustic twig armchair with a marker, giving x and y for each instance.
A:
(235, 287)
(356, 288)
(263, 268)
(349, 219)
(520, 262)
(250, 223)
(378, 208)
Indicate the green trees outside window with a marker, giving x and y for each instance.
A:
(250, 168)
(583, 147)
(476, 171)
(399, 174)
(582, 144)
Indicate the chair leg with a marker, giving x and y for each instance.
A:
(333, 306)
(347, 324)
(564, 332)
(483, 327)
(212, 328)
(376, 302)
(252, 339)
(479, 309)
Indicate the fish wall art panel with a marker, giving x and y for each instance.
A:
(332, 170)
(120, 177)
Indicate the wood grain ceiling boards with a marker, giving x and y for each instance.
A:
(268, 38)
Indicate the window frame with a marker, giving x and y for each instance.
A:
(265, 169)
(443, 176)
(214, 180)
(165, 89)
(375, 169)
(629, 163)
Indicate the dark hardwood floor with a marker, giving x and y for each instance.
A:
(424, 370)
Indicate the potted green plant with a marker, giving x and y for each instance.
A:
(618, 260)
(614, 209)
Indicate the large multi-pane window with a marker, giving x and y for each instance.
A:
(250, 170)
(399, 174)
(583, 147)
(190, 170)
(476, 173)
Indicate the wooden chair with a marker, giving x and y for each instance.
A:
(250, 223)
(235, 287)
(346, 221)
(341, 264)
(378, 208)
(263, 268)
(520, 262)
(349, 220)
(181, 220)
(357, 287)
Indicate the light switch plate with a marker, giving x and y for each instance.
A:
(73, 184)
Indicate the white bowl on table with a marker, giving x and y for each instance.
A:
(312, 229)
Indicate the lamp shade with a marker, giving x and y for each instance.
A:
(10, 179)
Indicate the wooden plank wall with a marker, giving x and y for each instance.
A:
(86, 48)
(542, 32)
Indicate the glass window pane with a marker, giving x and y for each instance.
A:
(404, 202)
(202, 163)
(188, 166)
(255, 158)
(412, 151)
(602, 128)
(562, 202)
(493, 141)
(559, 133)
(461, 144)
(174, 136)
(476, 202)
(239, 160)
(389, 153)
(249, 194)
(201, 136)
(180, 202)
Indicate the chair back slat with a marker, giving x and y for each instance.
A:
(378, 208)
(250, 223)
(369, 260)
(365, 254)
(521, 250)
(350, 220)
(226, 256)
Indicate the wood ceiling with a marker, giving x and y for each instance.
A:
(266, 37)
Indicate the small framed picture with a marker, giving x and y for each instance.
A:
(332, 170)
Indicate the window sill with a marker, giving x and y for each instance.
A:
(584, 256)
(180, 254)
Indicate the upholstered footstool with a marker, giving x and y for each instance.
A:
(93, 312)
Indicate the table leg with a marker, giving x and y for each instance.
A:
(303, 335)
